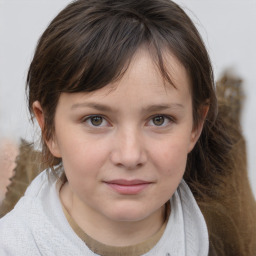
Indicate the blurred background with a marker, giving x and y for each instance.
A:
(228, 28)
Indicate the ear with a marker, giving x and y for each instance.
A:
(196, 132)
(52, 142)
(38, 112)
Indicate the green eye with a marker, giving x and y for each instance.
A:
(158, 120)
(96, 120)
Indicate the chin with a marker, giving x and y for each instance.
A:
(128, 214)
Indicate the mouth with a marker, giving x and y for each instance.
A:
(128, 187)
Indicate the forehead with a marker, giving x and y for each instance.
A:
(143, 82)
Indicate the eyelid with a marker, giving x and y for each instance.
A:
(88, 117)
(171, 119)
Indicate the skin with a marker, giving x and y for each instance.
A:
(143, 130)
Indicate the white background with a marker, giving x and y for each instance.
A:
(228, 28)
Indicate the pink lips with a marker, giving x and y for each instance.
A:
(127, 187)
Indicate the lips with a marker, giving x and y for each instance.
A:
(128, 187)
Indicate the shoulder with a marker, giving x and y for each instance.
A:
(37, 224)
(14, 231)
(32, 197)
(17, 227)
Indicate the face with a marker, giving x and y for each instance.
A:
(124, 147)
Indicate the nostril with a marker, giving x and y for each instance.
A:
(129, 160)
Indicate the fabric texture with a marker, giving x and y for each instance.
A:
(107, 250)
(38, 226)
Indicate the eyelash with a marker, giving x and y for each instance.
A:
(88, 120)
(166, 118)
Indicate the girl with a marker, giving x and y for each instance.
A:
(123, 92)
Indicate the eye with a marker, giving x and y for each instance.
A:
(159, 120)
(96, 121)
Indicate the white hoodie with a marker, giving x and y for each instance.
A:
(38, 226)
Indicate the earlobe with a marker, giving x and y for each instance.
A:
(51, 143)
(53, 147)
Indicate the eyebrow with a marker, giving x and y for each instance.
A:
(159, 107)
(104, 108)
(96, 106)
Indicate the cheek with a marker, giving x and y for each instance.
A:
(171, 157)
(82, 169)
(82, 158)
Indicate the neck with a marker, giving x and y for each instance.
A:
(108, 231)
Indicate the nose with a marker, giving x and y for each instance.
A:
(129, 150)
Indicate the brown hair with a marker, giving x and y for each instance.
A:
(90, 44)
